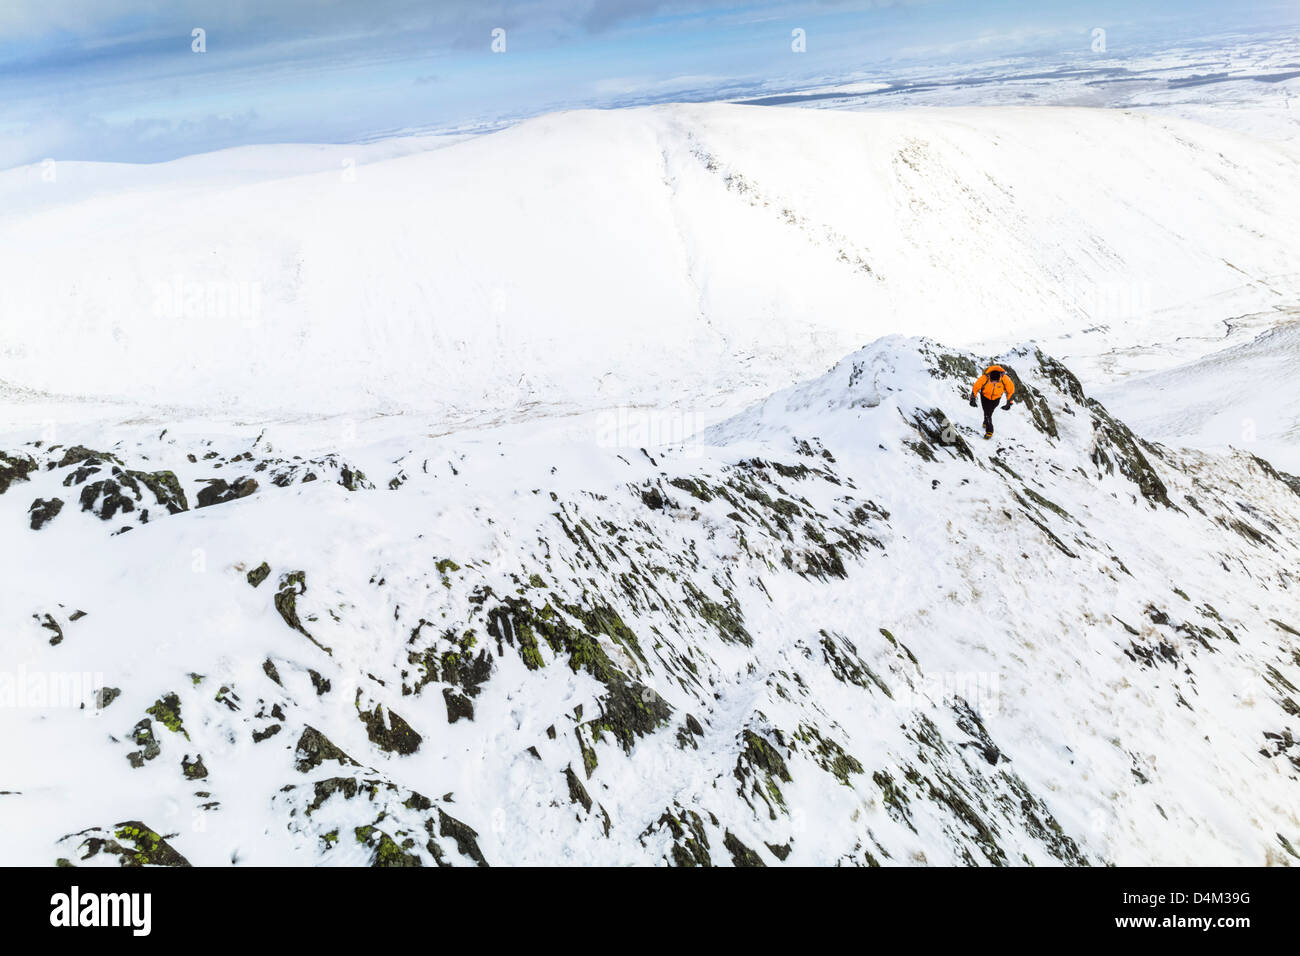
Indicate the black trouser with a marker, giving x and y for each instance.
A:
(989, 404)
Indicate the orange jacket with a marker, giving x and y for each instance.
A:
(994, 390)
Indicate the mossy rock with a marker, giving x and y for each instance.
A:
(166, 488)
(895, 798)
(314, 748)
(79, 453)
(690, 846)
(286, 599)
(353, 479)
(406, 817)
(167, 711)
(829, 755)
(760, 769)
(387, 851)
(727, 618)
(393, 735)
(132, 842)
(956, 366)
(1115, 447)
(629, 709)
(696, 489)
(1043, 502)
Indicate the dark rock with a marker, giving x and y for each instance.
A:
(466, 838)
(286, 602)
(106, 498)
(269, 732)
(458, 705)
(53, 627)
(14, 467)
(133, 843)
(78, 453)
(394, 735)
(780, 851)
(143, 737)
(741, 855)
(43, 511)
(219, 491)
(577, 792)
(314, 748)
(653, 499)
(106, 695)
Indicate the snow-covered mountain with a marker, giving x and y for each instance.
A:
(1243, 82)
(837, 627)
(1244, 396)
(486, 499)
(660, 255)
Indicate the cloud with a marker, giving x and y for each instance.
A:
(116, 78)
(146, 138)
(603, 14)
(654, 86)
(109, 20)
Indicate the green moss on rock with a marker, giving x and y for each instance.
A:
(132, 842)
(167, 711)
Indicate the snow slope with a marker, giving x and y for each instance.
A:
(493, 277)
(1246, 396)
(837, 628)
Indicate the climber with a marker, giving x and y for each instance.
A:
(995, 383)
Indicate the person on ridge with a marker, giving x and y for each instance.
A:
(995, 383)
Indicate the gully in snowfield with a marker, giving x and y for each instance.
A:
(995, 383)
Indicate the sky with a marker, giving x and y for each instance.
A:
(130, 81)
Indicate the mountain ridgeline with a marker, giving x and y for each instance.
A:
(840, 627)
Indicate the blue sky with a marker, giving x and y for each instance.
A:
(118, 80)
